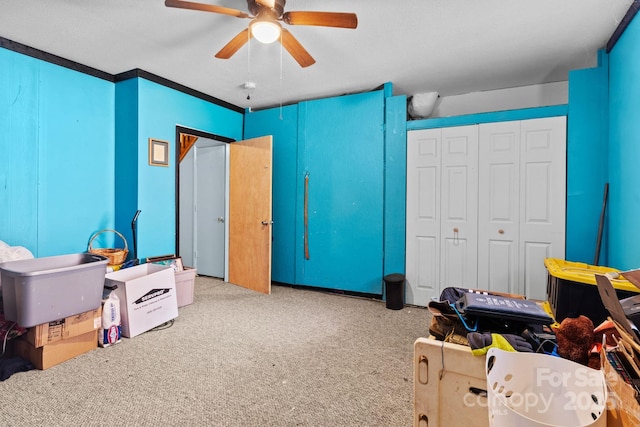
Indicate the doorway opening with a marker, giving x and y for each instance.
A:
(201, 194)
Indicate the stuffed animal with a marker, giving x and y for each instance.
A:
(574, 337)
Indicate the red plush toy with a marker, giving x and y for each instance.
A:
(574, 338)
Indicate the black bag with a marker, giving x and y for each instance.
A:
(447, 320)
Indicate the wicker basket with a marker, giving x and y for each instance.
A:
(115, 256)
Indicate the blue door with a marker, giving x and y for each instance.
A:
(339, 217)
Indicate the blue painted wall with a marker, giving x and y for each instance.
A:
(75, 156)
(282, 123)
(151, 189)
(19, 145)
(587, 166)
(395, 184)
(57, 167)
(624, 149)
(497, 116)
(126, 166)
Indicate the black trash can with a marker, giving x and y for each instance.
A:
(394, 288)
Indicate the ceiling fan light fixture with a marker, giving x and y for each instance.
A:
(265, 31)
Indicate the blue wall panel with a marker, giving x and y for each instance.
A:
(126, 154)
(282, 124)
(587, 166)
(58, 133)
(19, 147)
(395, 184)
(497, 116)
(341, 148)
(76, 163)
(624, 149)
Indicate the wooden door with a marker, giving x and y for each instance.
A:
(250, 176)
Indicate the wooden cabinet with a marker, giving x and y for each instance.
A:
(485, 206)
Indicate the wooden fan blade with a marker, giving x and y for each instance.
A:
(236, 43)
(321, 19)
(205, 7)
(296, 50)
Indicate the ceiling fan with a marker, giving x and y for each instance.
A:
(264, 25)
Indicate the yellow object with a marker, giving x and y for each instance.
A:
(497, 341)
(547, 308)
(585, 273)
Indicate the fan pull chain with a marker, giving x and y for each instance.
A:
(249, 52)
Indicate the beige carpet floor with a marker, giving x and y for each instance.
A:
(297, 357)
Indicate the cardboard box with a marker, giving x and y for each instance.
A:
(69, 327)
(53, 354)
(147, 296)
(185, 281)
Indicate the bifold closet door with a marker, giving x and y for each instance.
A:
(543, 184)
(442, 197)
(459, 207)
(522, 203)
(499, 209)
(423, 216)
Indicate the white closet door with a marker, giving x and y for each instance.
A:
(459, 207)
(542, 200)
(485, 206)
(423, 216)
(498, 214)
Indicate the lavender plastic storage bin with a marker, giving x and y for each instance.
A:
(42, 290)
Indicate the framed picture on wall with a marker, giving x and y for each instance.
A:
(158, 152)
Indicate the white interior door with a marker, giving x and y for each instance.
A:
(210, 186)
(459, 207)
(542, 200)
(498, 213)
(423, 216)
(522, 217)
(442, 194)
(485, 206)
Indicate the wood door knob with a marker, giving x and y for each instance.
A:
(455, 230)
(501, 231)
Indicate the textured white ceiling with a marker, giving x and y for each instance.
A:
(449, 46)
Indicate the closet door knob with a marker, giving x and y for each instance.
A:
(501, 231)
